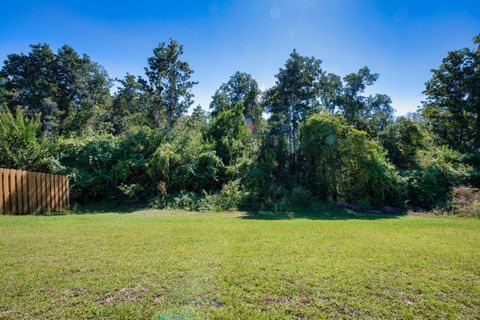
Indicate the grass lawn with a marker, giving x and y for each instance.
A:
(179, 265)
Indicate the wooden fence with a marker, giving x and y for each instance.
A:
(23, 192)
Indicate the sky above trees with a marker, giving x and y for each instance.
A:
(400, 40)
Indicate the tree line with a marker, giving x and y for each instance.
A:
(313, 137)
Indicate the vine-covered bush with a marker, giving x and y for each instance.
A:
(430, 183)
(340, 163)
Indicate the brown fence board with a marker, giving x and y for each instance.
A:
(18, 186)
(38, 189)
(62, 192)
(52, 192)
(13, 193)
(44, 192)
(31, 196)
(65, 192)
(23, 192)
(57, 191)
(6, 191)
(48, 193)
(25, 206)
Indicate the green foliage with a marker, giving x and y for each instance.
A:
(240, 88)
(131, 106)
(294, 95)
(22, 145)
(88, 160)
(324, 138)
(231, 139)
(69, 91)
(231, 197)
(439, 169)
(169, 83)
(341, 164)
(452, 100)
(402, 140)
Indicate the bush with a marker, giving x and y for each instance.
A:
(402, 140)
(429, 185)
(466, 201)
(22, 145)
(340, 163)
(229, 198)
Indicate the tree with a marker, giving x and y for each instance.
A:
(452, 104)
(402, 140)
(295, 93)
(367, 113)
(169, 83)
(241, 88)
(378, 114)
(69, 91)
(229, 134)
(29, 81)
(130, 107)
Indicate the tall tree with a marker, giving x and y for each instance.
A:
(370, 113)
(29, 81)
(241, 88)
(83, 91)
(68, 90)
(131, 105)
(295, 93)
(452, 104)
(169, 83)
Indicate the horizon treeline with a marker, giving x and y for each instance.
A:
(325, 140)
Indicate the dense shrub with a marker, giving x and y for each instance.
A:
(89, 162)
(229, 198)
(22, 146)
(429, 184)
(133, 165)
(341, 164)
(402, 140)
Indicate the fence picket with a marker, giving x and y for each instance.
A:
(39, 188)
(25, 206)
(31, 196)
(13, 192)
(57, 191)
(62, 192)
(6, 191)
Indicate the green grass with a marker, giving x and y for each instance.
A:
(178, 265)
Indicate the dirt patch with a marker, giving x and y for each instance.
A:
(73, 293)
(405, 298)
(127, 294)
(210, 303)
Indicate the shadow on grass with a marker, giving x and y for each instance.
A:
(321, 214)
(99, 208)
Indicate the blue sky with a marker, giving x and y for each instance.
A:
(400, 40)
